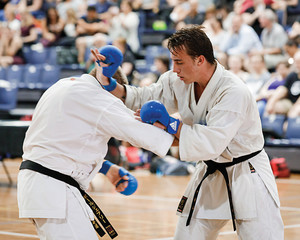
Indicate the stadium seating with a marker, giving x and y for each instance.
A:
(293, 128)
(35, 54)
(273, 125)
(8, 96)
(32, 74)
(14, 73)
(49, 75)
(2, 73)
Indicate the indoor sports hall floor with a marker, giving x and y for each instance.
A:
(149, 214)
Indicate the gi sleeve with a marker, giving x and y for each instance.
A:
(119, 122)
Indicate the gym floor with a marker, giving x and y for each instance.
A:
(149, 214)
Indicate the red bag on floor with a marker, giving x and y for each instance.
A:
(280, 168)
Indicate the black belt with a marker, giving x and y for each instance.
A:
(69, 180)
(211, 168)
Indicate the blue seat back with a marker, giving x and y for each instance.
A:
(50, 75)
(8, 95)
(32, 75)
(293, 128)
(14, 74)
(273, 123)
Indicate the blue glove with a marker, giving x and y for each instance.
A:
(114, 58)
(132, 182)
(154, 111)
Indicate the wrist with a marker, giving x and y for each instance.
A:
(105, 167)
(111, 86)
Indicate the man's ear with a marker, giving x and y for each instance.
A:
(200, 59)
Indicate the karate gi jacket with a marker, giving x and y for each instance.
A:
(71, 126)
(224, 124)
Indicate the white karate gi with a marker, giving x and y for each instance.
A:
(223, 125)
(71, 126)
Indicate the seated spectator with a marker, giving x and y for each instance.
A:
(52, 28)
(10, 18)
(273, 39)
(127, 65)
(90, 29)
(290, 10)
(125, 25)
(102, 6)
(29, 33)
(162, 65)
(252, 12)
(78, 6)
(147, 5)
(181, 10)
(215, 32)
(10, 47)
(290, 92)
(277, 79)
(69, 30)
(290, 48)
(236, 66)
(259, 74)
(241, 39)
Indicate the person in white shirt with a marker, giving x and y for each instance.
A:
(71, 126)
(221, 131)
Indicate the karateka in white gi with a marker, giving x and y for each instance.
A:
(220, 122)
(71, 126)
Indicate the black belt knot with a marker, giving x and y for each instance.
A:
(221, 167)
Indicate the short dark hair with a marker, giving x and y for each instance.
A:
(91, 8)
(194, 40)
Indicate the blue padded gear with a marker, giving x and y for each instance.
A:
(114, 58)
(154, 111)
(132, 182)
(105, 167)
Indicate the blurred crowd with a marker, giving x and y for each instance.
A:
(258, 40)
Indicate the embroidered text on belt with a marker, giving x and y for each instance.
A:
(69, 180)
(211, 168)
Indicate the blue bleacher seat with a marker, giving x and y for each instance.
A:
(2, 73)
(273, 125)
(35, 54)
(50, 74)
(14, 73)
(8, 95)
(293, 128)
(51, 59)
(32, 74)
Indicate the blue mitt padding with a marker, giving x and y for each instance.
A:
(154, 111)
(132, 182)
(114, 58)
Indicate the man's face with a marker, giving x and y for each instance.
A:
(185, 66)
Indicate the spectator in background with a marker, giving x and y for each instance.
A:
(10, 47)
(273, 39)
(80, 7)
(277, 79)
(181, 10)
(241, 39)
(162, 65)
(290, 91)
(252, 12)
(70, 28)
(259, 74)
(215, 32)
(236, 66)
(290, 48)
(90, 29)
(127, 65)
(52, 28)
(29, 34)
(10, 18)
(125, 24)
(146, 5)
(102, 6)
